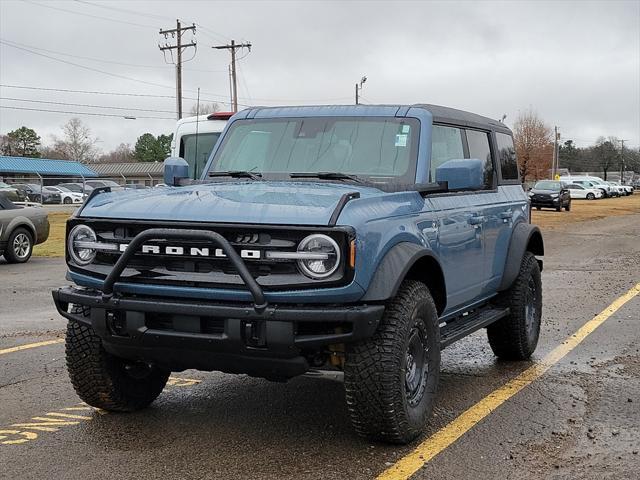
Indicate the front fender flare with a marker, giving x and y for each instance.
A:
(524, 237)
(392, 270)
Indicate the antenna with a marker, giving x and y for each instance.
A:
(195, 156)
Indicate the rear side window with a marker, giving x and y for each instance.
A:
(507, 156)
(446, 144)
(478, 143)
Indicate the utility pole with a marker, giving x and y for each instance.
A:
(622, 161)
(359, 88)
(556, 162)
(179, 47)
(233, 46)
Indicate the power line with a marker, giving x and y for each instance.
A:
(81, 113)
(97, 92)
(85, 105)
(232, 47)
(89, 15)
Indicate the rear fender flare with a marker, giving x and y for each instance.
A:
(525, 237)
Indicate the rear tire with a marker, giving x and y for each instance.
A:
(19, 246)
(515, 337)
(103, 380)
(391, 379)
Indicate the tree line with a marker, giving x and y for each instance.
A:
(78, 143)
(534, 146)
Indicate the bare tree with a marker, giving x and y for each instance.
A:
(606, 154)
(122, 154)
(78, 144)
(533, 145)
(205, 109)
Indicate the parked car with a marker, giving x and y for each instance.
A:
(35, 193)
(616, 191)
(607, 189)
(77, 187)
(20, 229)
(12, 193)
(67, 197)
(362, 239)
(623, 189)
(550, 194)
(103, 183)
(580, 191)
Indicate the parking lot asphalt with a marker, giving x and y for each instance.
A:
(578, 419)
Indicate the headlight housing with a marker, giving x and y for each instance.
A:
(326, 251)
(81, 244)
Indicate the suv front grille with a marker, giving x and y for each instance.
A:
(188, 263)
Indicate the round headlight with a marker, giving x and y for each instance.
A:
(327, 254)
(79, 236)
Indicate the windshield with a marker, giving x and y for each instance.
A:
(547, 185)
(381, 149)
(197, 153)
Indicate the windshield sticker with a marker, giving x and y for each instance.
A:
(401, 140)
(406, 128)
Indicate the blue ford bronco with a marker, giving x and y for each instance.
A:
(363, 239)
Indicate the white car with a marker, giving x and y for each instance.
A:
(625, 189)
(607, 190)
(67, 196)
(580, 191)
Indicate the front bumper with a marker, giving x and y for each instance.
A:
(224, 336)
(545, 202)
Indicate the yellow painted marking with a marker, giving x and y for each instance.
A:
(182, 382)
(25, 437)
(31, 345)
(52, 421)
(44, 424)
(68, 415)
(443, 438)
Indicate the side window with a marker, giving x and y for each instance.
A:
(446, 144)
(507, 156)
(478, 143)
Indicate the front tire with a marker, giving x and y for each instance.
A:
(391, 379)
(19, 246)
(103, 380)
(67, 201)
(515, 337)
(591, 196)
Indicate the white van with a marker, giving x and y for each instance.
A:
(207, 129)
(607, 190)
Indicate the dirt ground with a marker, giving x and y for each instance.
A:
(582, 210)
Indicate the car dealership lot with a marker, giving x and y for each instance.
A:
(580, 419)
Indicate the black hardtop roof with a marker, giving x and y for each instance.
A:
(453, 115)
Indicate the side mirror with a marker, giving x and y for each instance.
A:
(175, 169)
(462, 174)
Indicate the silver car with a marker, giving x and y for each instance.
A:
(20, 229)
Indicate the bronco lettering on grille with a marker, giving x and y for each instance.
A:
(191, 251)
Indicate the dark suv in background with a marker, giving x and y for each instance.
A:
(550, 194)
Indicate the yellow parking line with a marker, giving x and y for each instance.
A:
(31, 345)
(443, 438)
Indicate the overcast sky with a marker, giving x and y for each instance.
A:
(577, 63)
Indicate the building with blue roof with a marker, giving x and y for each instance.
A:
(42, 169)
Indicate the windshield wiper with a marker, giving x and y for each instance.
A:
(327, 176)
(237, 174)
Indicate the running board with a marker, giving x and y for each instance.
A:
(465, 325)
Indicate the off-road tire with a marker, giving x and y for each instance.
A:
(101, 379)
(515, 337)
(10, 255)
(375, 373)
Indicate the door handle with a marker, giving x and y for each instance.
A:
(476, 220)
(507, 214)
